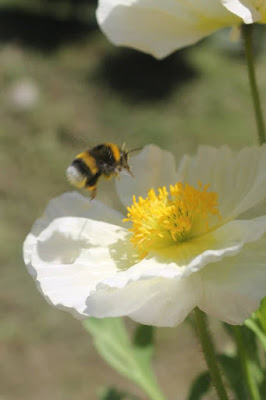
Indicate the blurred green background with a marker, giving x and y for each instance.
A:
(64, 87)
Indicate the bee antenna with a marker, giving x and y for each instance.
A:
(123, 146)
(131, 151)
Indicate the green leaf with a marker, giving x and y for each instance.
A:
(261, 335)
(251, 345)
(233, 373)
(112, 393)
(131, 360)
(200, 386)
(248, 337)
(262, 386)
(112, 343)
(143, 336)
(250, 342)
(261, 314)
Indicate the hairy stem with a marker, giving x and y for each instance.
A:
(209, 353)
(247, 35)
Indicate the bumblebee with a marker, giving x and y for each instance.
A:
(105, 160)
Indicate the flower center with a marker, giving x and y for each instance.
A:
(170, 217)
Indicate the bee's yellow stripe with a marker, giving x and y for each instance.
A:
(89, 161)
(91, 188)
(80, 184)
(115, 150)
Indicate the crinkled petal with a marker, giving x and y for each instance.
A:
(157, 301)
(73, 254)
(160, 27)
(239, 178)
(71, 204)
(234, 287)
(177, 262)
(163, 288)
(152, 167)
(245, 9)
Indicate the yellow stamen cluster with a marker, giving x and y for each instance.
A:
(163, 219)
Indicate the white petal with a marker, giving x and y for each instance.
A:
(73, 254)
(234, 287)
(152, 167)
(160, 27)
(239, 178)
(157, 301)
(70, 204)
(244, 9)
(254, 212)
(177, 262)
(73, 204)
(163, 288)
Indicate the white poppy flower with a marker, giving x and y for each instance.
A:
(249, 10)
(185, 245)
(159, 27)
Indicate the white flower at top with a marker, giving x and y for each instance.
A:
(159, 27)
(194, 236)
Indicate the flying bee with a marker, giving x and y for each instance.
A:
(105, 160)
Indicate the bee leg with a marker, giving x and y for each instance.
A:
(91, 185)
(93, 193)
(92, 190)
(130, 173)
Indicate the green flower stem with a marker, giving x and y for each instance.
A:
(247, 35)
(245, 365)
(209, 353)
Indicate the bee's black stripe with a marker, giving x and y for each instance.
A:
(103, 155)
(92, 181)
(80, 165)
(110, 155)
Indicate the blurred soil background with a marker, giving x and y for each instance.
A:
(64, 87)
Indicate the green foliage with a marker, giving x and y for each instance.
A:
(113, 344)
(243, 370)
(111, 394)
(200, 386)
(144, 336)
(261, 315)
(257, 327)
(114, 394)
(254, 326)
(232, 370)
(130, 359)
(257, 323)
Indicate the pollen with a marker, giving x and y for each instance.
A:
(169, 217)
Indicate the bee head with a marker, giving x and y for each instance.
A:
(123, 162)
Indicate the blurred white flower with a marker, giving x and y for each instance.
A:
(187, 246)
(249, 10)
(24, 95)
(159, 27)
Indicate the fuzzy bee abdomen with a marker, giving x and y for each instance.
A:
(82, 174)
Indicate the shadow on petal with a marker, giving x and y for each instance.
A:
(124, 253)
(60, 248)
(83, 244)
